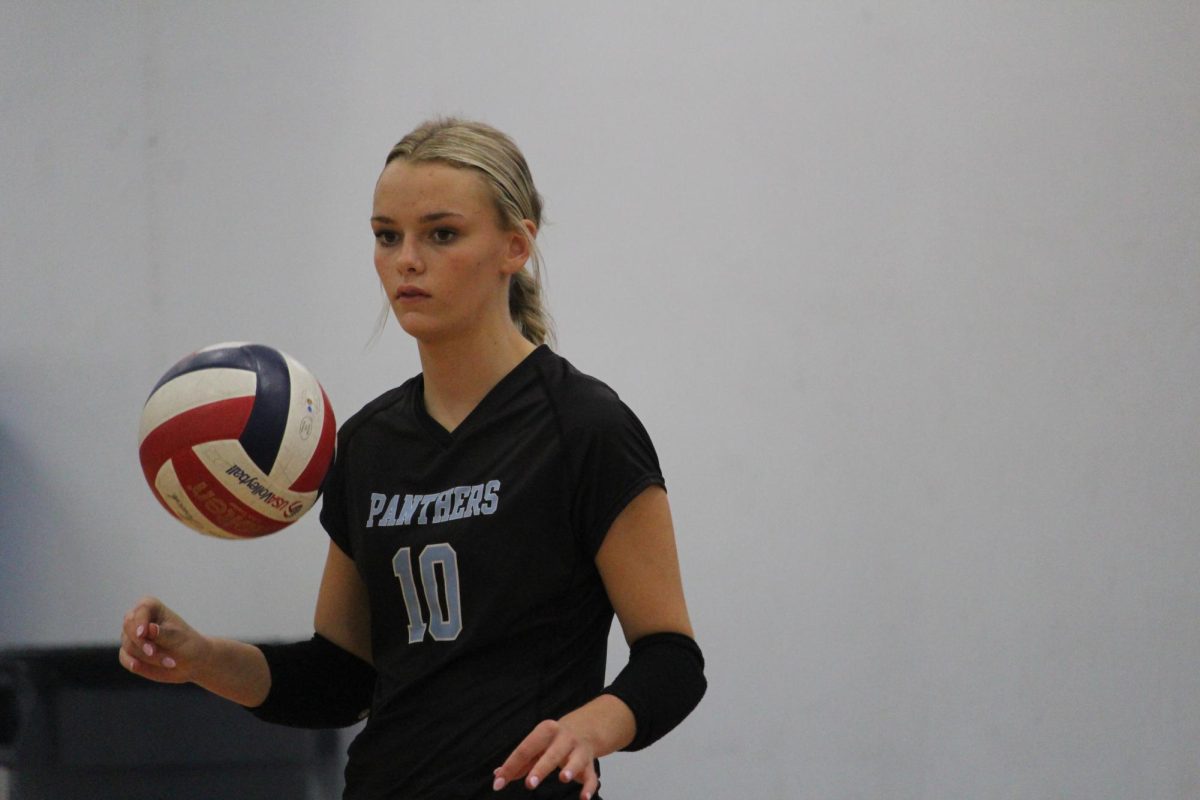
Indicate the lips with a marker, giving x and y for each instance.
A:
(407, 292)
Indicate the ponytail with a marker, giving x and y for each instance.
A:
(527, 308)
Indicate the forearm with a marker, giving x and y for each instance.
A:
(236, 671)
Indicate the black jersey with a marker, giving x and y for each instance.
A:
(477, 549)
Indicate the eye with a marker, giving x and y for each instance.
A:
(443, 235)
(386, 237)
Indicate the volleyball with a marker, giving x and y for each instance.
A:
(235, 440)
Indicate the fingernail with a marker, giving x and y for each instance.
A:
(533, 781)
(141, 629)
(169, 662)
(148, 649)
(567, 775)
(498, 784)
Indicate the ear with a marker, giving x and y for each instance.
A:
(520, 247)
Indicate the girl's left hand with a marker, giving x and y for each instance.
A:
(552, 745)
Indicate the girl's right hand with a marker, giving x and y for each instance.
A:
(157, 644)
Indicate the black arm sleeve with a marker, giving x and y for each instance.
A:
(315, 684)
(661, 684)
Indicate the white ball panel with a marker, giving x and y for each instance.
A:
(193, 390)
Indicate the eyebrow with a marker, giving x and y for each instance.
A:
(433, 216)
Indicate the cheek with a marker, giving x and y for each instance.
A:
(481, 277)
(380, 264)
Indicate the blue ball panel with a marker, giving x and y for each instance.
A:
(228, 357)
(263, 435)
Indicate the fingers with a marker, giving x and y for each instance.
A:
(142, 657)
(145, 649)
(145, 612)
(557, 754)
(581, 767)
(550, 746)
(522, 758)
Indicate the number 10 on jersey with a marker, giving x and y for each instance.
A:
(441, 596)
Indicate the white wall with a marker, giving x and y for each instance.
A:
(908, 296)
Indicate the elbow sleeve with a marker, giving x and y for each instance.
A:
(663, 681)
(315, 684)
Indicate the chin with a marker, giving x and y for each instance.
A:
(422, 328)
(416, 328)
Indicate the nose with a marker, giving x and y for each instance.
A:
(407, 257)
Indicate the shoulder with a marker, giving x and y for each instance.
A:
(588, 409)
(390, 402)
(581, 401)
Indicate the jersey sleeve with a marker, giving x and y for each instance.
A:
(333, 503)
(614, 461)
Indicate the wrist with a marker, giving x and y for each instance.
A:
(231, 669)
(201, 661)
(605, 722)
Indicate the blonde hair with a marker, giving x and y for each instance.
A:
(475, 145)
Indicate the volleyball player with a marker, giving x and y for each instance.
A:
(487, 517)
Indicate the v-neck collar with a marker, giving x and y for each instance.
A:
(494, 395)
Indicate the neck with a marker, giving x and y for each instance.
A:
(459, 373)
